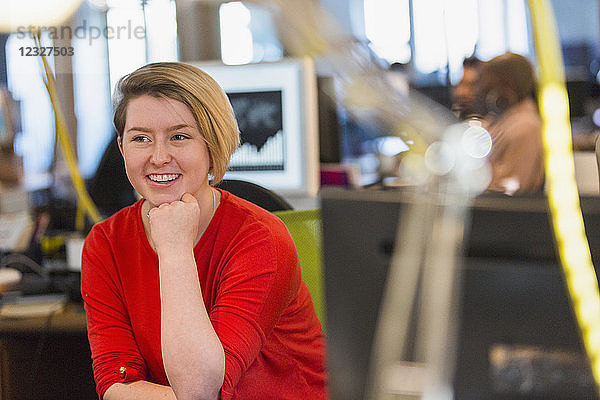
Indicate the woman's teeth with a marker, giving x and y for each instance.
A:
(163, 177)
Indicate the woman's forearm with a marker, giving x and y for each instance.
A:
(139, 390)
(192, 352)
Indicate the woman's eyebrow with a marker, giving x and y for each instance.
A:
(148, 130)
(139, 129)
(180, 126)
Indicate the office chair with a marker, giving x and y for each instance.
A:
(109, 187)
(305, 228)
(256, 194)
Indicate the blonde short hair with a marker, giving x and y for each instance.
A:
(199, 92)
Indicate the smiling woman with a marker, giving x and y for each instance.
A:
(165, 154)
(193, 292)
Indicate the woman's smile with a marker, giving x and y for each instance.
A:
(163, 178)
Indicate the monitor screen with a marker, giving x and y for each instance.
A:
(275, 105)
(517, 335)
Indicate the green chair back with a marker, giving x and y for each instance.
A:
(305, 228)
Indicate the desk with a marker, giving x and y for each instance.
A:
(46, 357)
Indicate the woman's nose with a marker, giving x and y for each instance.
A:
(160, 154)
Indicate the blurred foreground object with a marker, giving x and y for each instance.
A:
(446, 165)
(307, 30)
(562, 189)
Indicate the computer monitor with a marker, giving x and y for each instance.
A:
(275, 104)
(517, 335)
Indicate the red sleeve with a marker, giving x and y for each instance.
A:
(260, 279)
(115, 355)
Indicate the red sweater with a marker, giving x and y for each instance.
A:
(253, 292)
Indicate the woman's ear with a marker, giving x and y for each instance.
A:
(120, 143)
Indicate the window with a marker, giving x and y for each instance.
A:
(247, 34)
(387, 26)
(161, 30)
(236, 37)
(91, 90)
(126, 50)
(35, 143)
(445, 32)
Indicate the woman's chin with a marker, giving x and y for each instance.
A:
(157, 201)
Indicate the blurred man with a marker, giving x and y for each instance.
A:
(506, 99)
(463, 95)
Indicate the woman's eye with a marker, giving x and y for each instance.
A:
(139, 139)
(179, 136)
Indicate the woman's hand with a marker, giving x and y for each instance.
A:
(174, 226)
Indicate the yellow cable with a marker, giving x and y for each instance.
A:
(84, 199)
(563, 196)
(79, 218)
